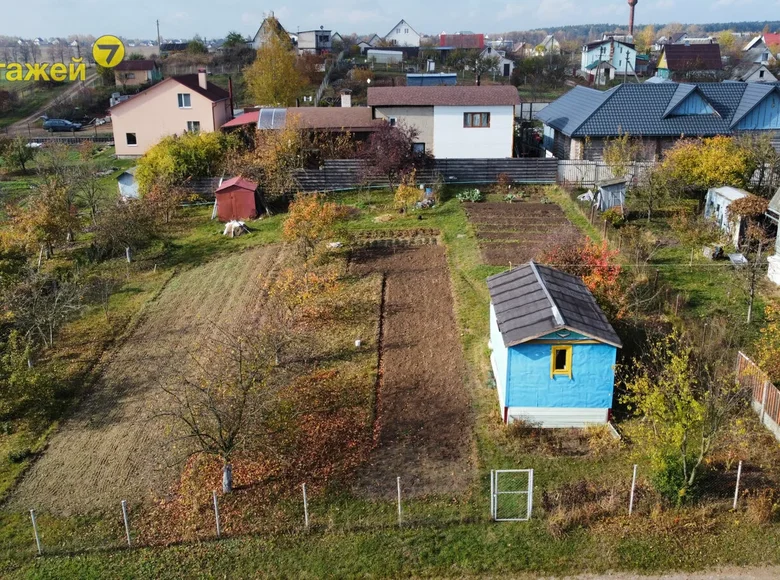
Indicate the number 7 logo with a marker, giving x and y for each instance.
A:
(108, 51)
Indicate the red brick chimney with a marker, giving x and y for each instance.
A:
(631, 3)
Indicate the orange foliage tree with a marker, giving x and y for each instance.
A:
(310, 220)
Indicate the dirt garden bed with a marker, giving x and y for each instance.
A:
(517, 232)
(424, 422)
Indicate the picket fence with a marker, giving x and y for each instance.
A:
(765, 396)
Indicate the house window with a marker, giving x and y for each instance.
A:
(560, 363)
(761, 74)
(131, 139)
(130, 75)
(471, 120)
(185, 101)
(398, 31)
(406, 31)
(193, 126)
(418, 148)
(392, 121)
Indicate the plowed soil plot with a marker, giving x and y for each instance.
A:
(113, 448)
(424, 417)
(518, 232)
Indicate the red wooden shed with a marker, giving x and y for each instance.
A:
(236, 200)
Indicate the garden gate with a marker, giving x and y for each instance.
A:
(511, 494)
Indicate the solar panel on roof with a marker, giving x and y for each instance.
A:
(272, 118)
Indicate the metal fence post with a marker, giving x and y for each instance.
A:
(492, 496)
(530, 492)
(398, 486)
(216, 513)
(305, 507)
(127, 523)
(631, 499)
(736, 488)
(35, 533)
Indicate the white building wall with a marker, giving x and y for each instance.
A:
(556, 417)
(451, 140)
(403, 35)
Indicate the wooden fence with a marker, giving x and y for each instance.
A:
(589, 173)
(765, 396)
(337, 174)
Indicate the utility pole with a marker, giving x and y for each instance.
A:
(159, 42)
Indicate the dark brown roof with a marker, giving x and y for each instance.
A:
(142, 64)
(681, 57)
(333, 118)
(534, 300)
(211, 92)
(452, 96)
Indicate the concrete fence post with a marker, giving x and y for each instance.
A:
(305, 507)
(35, 533)
(398, 487)
(127, 522)
(633, 487)
(736, 488)
(216, 513)
(492, 495)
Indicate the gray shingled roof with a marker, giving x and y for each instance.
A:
(533, 300)
(639, 109)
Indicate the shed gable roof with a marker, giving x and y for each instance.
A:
(534, 300)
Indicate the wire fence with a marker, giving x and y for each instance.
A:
(507, 495)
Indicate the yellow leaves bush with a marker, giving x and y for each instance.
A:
(699, 164)
(310, 220)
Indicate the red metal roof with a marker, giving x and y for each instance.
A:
(772, 39)
(238, 181)
(243, 119)
(457, 96)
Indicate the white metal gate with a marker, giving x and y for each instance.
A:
(511, 494)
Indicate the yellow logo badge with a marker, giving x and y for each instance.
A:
(108, 51)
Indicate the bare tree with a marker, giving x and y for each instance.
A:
(90, 188)
(228, 406)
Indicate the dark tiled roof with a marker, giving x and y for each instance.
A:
(610, 40)
(683, 57)
(211, 92)
(533, 300)
(645, 109)
(136, 65)
(447, 95)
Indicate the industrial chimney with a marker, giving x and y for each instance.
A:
(631, 3)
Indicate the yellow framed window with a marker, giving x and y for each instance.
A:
(560, 361)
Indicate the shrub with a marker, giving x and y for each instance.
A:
(668, 479)
(19, 455)
(614, 216)
(762, 506)
(473, 195)
(601, 440)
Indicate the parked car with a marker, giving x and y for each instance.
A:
(52, 125)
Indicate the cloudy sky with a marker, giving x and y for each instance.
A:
(214, 18)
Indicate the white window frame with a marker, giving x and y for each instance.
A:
(190, 127)
(127, 141)
(180, 98)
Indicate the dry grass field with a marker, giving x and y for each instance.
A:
(114, 447)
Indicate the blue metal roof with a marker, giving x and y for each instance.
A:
(642, 109)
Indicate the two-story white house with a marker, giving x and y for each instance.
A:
(603, 60)
(505, 65)
(452, 122)
(402, 34)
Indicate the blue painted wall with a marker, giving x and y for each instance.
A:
(693, 104)
(591, 385)
(765, 116)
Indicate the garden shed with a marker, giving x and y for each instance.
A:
(716, 207)
(236, 199)
(553, 350)
(611, 193)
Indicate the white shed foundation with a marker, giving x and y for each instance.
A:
(551, 417)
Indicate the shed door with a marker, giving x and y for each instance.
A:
(506, 69)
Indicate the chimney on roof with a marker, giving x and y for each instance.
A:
(202, 78)
(631, 3)
(346, 98)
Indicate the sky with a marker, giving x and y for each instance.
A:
(214, 18)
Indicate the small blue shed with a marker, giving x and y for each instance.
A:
(553, 350)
